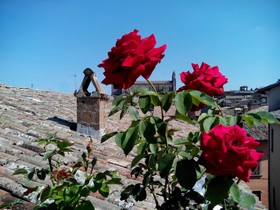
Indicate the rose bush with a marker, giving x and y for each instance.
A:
(217, 156)
(131, 58)
(205, 79)
(227, 150)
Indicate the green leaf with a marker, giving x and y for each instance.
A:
(41, 174)
(165, 164)
(31, 173)
(184, 118)
(152, 162)
(108, 136)
(257, 118)
(114, 181)
(266, 117)
(114, 110)
(127, 192)
(194, 137)
(154, 99)
(139, 192)
(249, 119)
(145, 103)
(119, 138)
(85, 191)
(20, 171)
(45, 194)
(117, 100)
(94, 161)
(147, 131)
(104, 190)
(186, 173)
(153, 148)
(207, 123)
(183, 102)
(181, 141)
(218, 190)
(147, 178)
(124, 111)
(203, 98)
(162, 131)
(136, 160)
(185, 155)
(64, 144)
(41, 141)
(85, 205)
(120, 104)
(49, 154)
(50, 136)
(247, 200)
(233, 120)
(141, 148)
(202, 117)
(127, 139)
(235, 192)
(133, 112)
(167, 101)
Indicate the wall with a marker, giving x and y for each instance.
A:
(274, 166)
(274, 98)
(260, 183)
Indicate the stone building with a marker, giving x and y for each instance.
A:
(273, 92)
(242, 100)
(259, 178)
(163, 86)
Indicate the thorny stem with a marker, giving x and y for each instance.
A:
(221, 111)
(50, 164)
(152, 189)
(165, 188)
(225, 205)
(51, 169)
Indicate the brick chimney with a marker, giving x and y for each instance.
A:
(91, 106)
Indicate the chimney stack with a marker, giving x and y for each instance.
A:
(91, 106)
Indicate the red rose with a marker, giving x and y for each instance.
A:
(205, 79)
(131, 58)
(227, 150)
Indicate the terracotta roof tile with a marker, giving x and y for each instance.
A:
(27, 114)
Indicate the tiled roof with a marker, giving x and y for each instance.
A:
(276, 113)
(269, 87)
(27, 114)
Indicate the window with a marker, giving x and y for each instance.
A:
(257, 172)
(258, 193)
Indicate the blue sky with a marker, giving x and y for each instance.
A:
(45, 43)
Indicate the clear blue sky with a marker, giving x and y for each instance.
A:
(47, 42)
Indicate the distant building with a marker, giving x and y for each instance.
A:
(163, 86)
(242, 100)
(273, 92)
(259, 178)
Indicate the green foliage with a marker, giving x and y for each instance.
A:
(67, 192)
(186, 178)
(169, 167)
(217, 189)
(254, 119)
